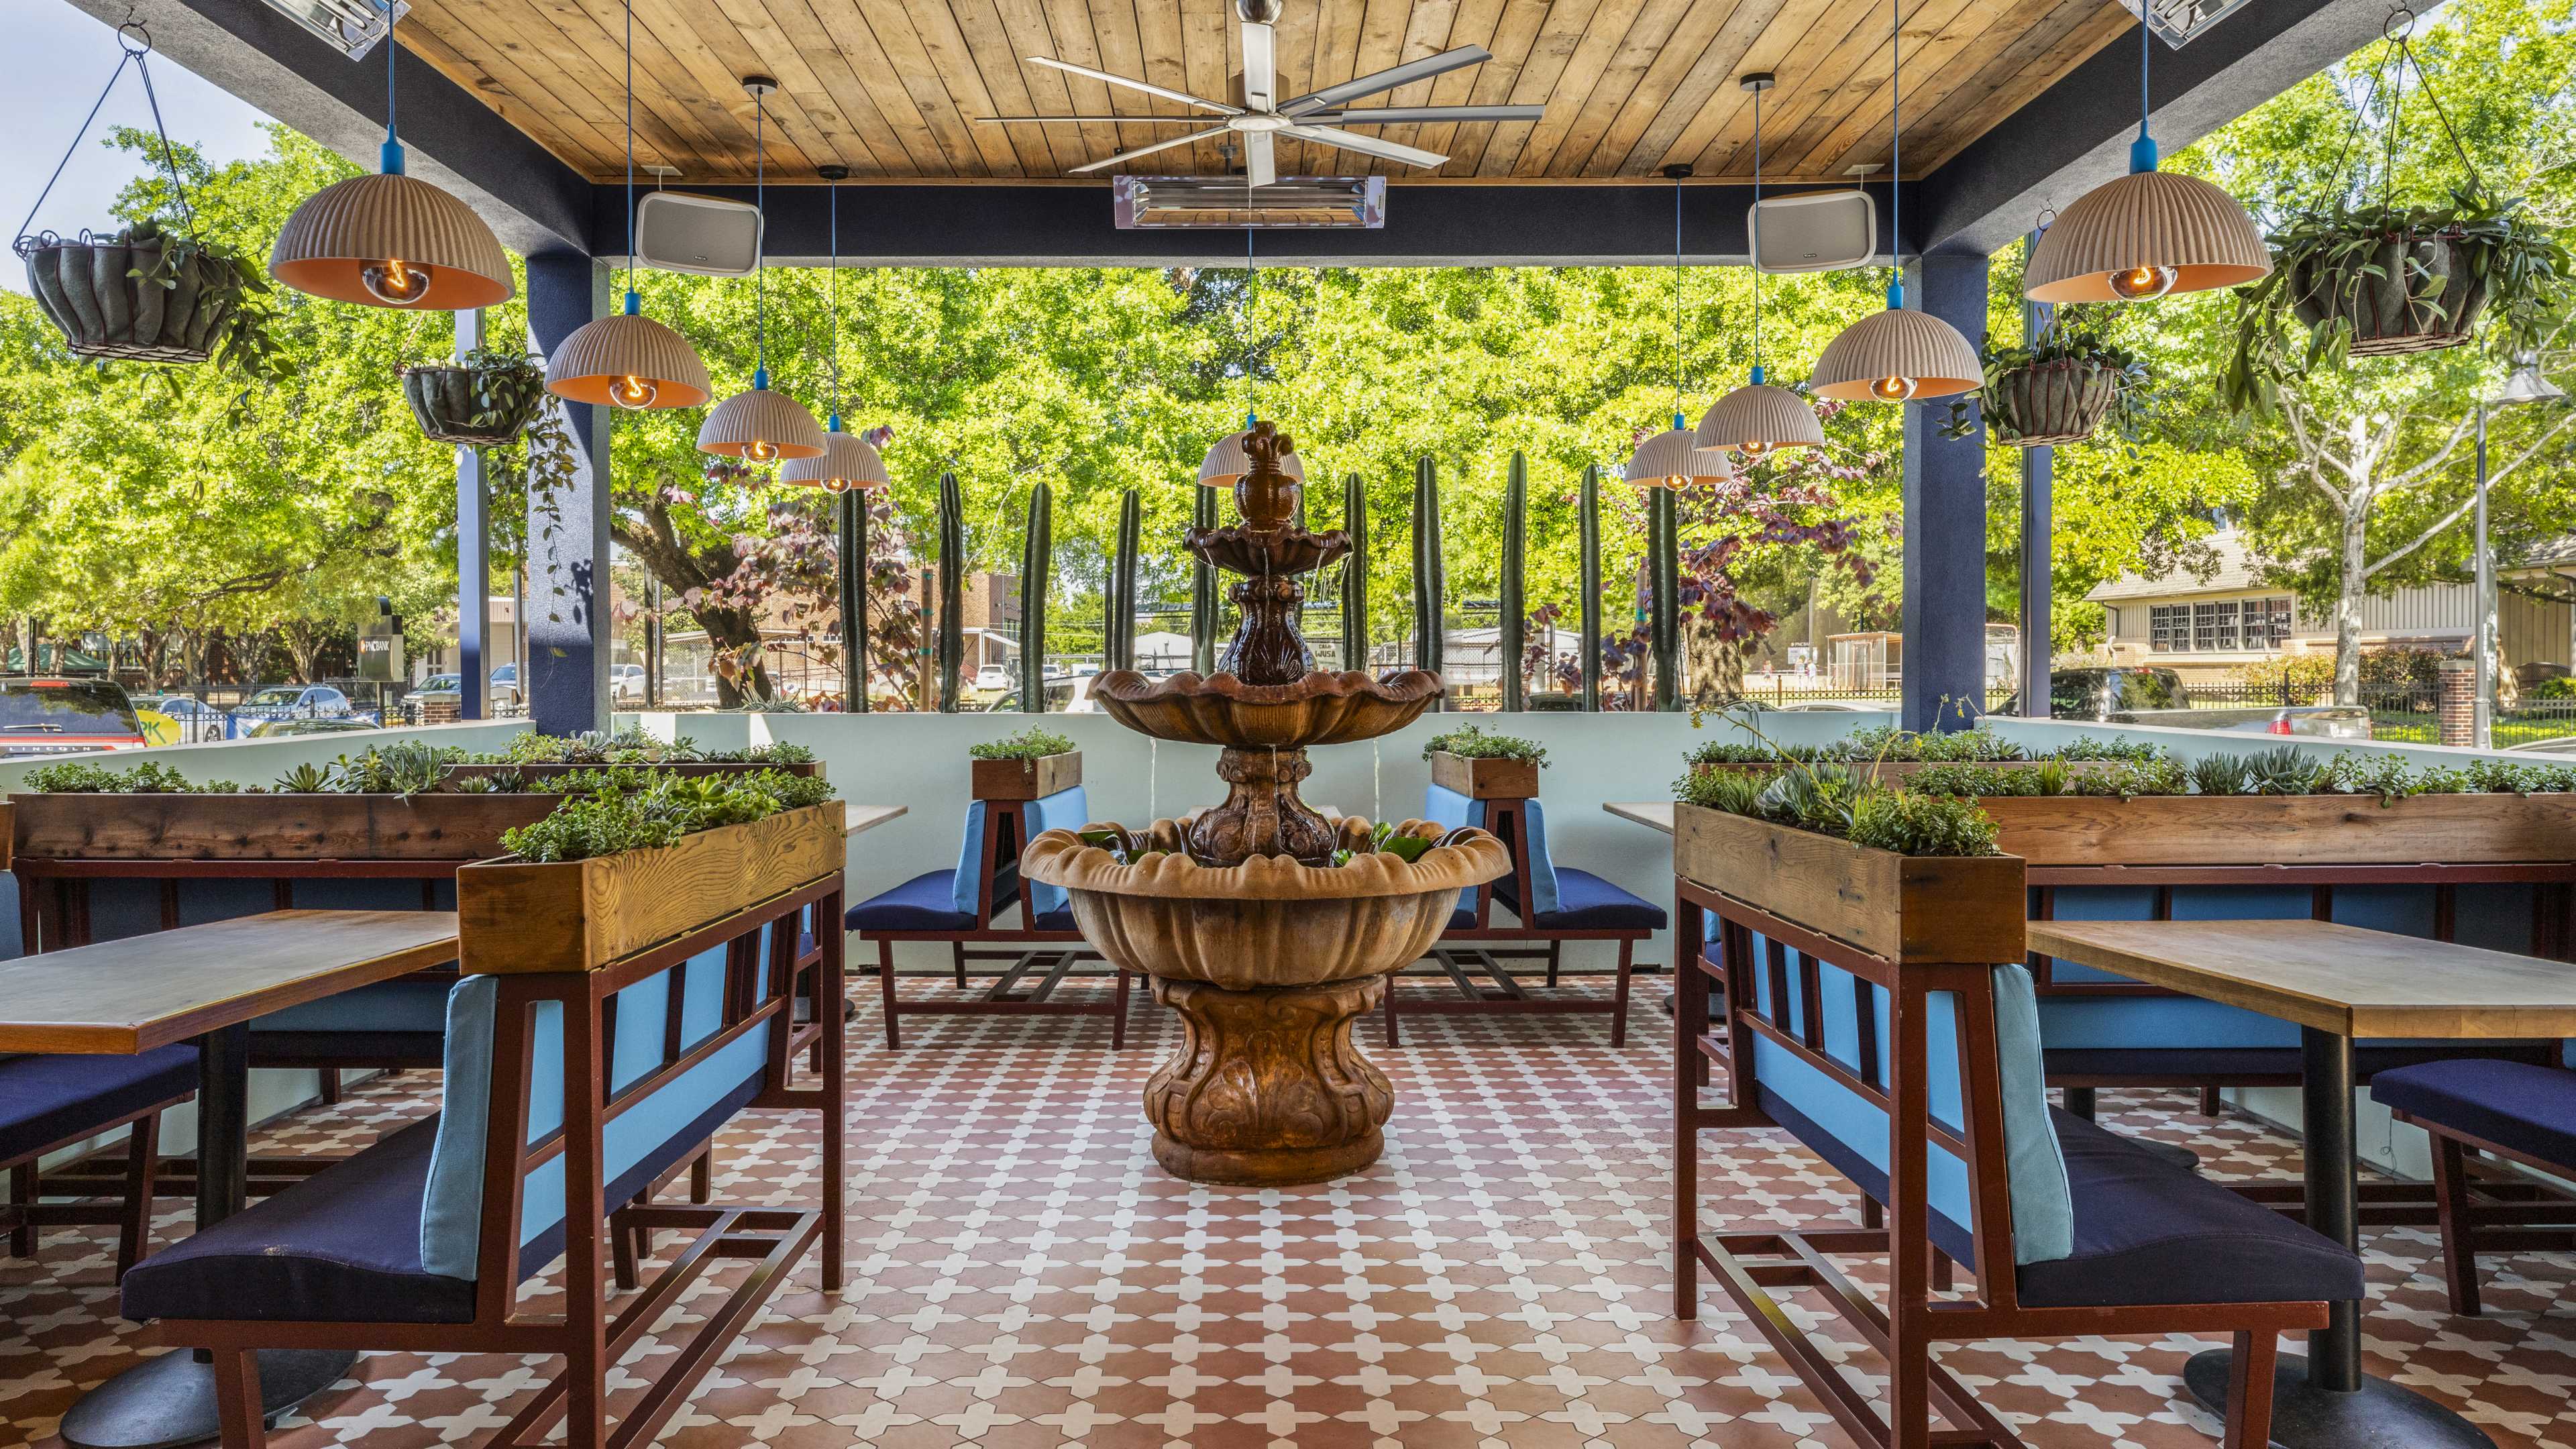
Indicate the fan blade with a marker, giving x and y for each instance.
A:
(1387, 80)
(1367, 145)
(1150, 150)
(1390, 115)
(1260, 67)
(1260, 159)
(1147, 87)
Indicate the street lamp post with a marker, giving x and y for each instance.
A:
(2525, 386)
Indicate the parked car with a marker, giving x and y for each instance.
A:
(505, 686)
(2153, 695)
(436, 689)
(1070, 695)
(294, 701)
(66, 717)
(993, 677)
(625, 681)
(269, 729)
(188, 719)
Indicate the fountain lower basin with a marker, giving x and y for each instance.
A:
(1267, 964)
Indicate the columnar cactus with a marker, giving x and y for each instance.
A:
(1037, 560)
(1588, 526)
(1203, 620)
(952, 592)
(1355, 620)
(1664, 625)
(1118, 631)
(1430, 579)
(1511, 637)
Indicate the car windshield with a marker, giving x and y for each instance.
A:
(2151, 689)
(275, 697)
(72, 707)
(439, 681)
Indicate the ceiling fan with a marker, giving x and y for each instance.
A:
(1315, 116)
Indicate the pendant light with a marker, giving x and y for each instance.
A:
(1758, 419)
(760, 426)
(628, 361)
(1673, 458)
(2147, 234)
(1226, 460)
(1895, 355)
(847, 461)
(389, 241)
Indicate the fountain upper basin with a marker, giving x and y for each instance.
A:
(1320, 709)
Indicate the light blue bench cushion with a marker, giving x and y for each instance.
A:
(1063, 810)
(970, 863)
(1544, 900)
(2042, 1204)
(1450, 810)
(451, 1216)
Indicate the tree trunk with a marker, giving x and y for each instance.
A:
(735, 632)
(2348, 596)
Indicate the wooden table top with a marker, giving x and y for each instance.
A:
(2337, 978)
(869, 817)
(143, 992)
(1653, 814)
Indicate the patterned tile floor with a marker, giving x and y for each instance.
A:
(1024, 1277)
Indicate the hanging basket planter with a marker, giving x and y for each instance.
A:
(459, 405)
(2040, 404)
(2393, 294)
(137, 296)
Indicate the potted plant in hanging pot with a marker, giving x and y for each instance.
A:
(2056, 389)
(484, 399)
(150, 294)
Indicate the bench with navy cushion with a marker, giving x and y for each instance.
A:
(1924, 1085)
(2517, 1111)
(567, 1096)
(52, 1102)
(2103, 1030)
(957, 905)
(1563, 904)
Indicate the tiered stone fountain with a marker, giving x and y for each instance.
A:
(1266, 948)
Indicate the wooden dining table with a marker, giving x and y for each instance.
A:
(205, 984)
(2338, 984)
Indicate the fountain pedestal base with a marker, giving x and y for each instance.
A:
(1266, 1088)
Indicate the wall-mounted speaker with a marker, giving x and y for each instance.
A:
(1813, 231)
(680, 232)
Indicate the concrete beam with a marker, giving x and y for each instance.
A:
(1022, 224)
(534, 202)
(2075, 135)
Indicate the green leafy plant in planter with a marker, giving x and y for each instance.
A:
(2055, 389)
(492, 398)
(150, 778)
(612, 819)
(1469, 742)
(1029, 744)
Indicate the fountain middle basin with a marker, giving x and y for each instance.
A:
(1267, 964)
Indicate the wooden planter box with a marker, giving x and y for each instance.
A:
(580, 915)
(693, 767)
(1923, 910)
(2284, 829)
(1026, 779)
(1897, 772)
(1479, 779)
(268, 827)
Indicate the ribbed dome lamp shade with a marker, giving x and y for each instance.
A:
(628, 360)
(2147, 234)
(390, 241)
(761, 426)
(1895, 355)
(2139, 223)
(1758, 419)
(1674, 459)
(847, 461)
(1226, 462)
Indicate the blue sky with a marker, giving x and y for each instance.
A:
(59, 57)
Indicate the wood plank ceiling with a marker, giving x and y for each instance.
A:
(890, 87)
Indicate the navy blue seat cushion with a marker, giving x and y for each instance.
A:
(2150, 1231)
(926, 902)
(1059, 919)
(49, 1100)
(1586, 902)
(2147, 1230)
(1463, 919)
(2528, 1108)
(2231, 1064)
(343, 1246)
(346, 1048)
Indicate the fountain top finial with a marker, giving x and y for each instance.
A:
(1266, 495)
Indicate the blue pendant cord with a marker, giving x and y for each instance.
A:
(634, 303)
(1251, 292)
(1677, 304)
(835, 270)
(390, 159)
(1896, 155)
(1757, 238)
(2142, 152)
(760, 205)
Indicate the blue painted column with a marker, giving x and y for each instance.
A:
(1945, 524)
(473, 557)
(2038, 520)
(566, 671)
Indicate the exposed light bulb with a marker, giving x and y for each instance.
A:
(633, 393)
(1894, 389)
(395, 282)
(1752, 452)
(2137, 284)
(836, 485)
(761, 450)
